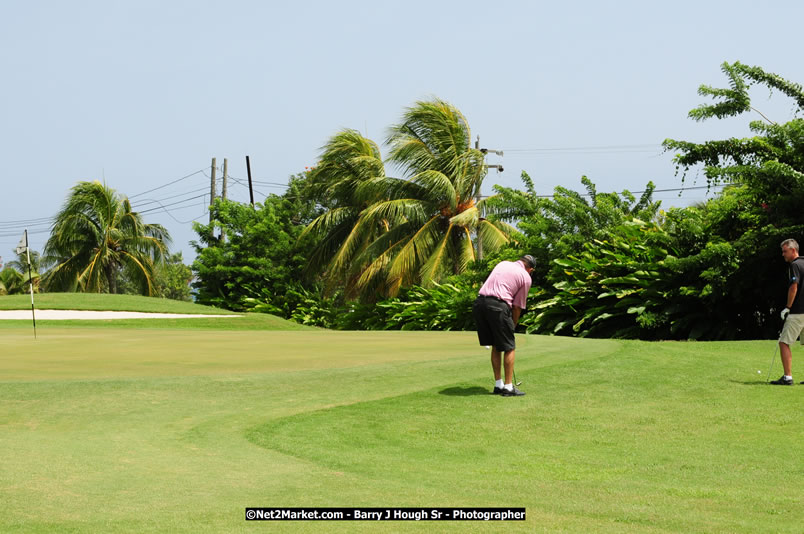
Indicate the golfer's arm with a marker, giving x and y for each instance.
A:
(791, 295)
(515, 312)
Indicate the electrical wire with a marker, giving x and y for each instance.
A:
(152, 201)
(163, 206)
(618, 149)
(682, 189)
(167, 184)
(41, 225)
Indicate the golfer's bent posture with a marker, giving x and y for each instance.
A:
(793, 314)
(496, 311)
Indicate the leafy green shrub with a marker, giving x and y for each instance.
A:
(440, 307)
(445, 306)
(631, 285)
(313, 310)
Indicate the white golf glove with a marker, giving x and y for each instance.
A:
(785, 313)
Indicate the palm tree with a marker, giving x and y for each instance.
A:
(20, 265)
(97, 234)
(12, 282)
(348, 163)
(418, 228)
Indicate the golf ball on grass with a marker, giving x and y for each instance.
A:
(759, 372)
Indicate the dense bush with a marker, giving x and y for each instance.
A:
(632, 285)
(445, 306)
(255, 260)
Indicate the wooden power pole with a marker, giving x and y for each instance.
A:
(223, 193)
(212, 190)
(225, 177)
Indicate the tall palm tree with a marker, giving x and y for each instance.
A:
(94, 236)
(420, 227)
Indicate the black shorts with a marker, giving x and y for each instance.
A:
(495, 325)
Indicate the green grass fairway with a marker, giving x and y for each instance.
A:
(106, 429)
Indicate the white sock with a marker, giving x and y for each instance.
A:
(509, 387)
(498, 384)
(788, 377)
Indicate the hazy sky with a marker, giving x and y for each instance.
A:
(143, 93)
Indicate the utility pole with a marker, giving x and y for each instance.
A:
(250, 187)
(482, 217)
(479, 219)
(212, 190)
(223, 193)
(225, 176)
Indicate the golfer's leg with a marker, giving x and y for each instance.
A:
(496, 363)
(787, 358)
(509, 366)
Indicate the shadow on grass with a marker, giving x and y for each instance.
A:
(464, 391)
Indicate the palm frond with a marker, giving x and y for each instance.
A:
(415, 252)
(431, 137)
(347, 160)
(396, 211)
(360, 234)
(327, 221)
(141, 270)
(468, 218)
(436, 263)
(437, 188)
(494, 234)
(90, 277)
(371, 278)
(466, 250)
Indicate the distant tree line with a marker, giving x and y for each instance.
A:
(348, 246)
(404, 242)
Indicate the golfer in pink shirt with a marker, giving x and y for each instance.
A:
(496, 311)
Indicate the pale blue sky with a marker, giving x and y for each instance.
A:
(143, 93)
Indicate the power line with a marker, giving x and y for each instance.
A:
(163, 206)
(12, 228)
(152, 201)
(591, 149)
(240, 182)
(31, 232)
(26, 221)
(167, 184)
(40, 225)
(682, 189)
(263, 182)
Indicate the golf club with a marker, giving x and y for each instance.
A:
(770, 369)
(516, 383)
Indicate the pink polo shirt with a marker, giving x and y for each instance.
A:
(508, 281)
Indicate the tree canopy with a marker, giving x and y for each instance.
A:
(384, 233)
